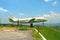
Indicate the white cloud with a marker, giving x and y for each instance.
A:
(21, 14)
(46, 15)
(52, 14)
(55, 3)
(53, 17)
(46, 0)
(3, 10)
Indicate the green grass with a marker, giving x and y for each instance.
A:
(50, 33)
(24, 28)
(21, 27)
(7, 26)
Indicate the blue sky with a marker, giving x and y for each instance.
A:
(27, 8)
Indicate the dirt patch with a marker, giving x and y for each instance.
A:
(15, 35)
(8, 29)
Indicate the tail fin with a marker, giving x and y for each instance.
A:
(12, 19)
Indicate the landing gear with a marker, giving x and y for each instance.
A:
(31, 25)
(18, 23)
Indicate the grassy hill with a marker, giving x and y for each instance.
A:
(50, 33)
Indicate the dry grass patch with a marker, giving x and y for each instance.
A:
(10, 28)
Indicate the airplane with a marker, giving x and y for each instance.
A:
(27, 20)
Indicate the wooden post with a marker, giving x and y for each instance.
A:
(43, 24)
(38, 29)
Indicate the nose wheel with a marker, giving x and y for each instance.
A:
(31, 25)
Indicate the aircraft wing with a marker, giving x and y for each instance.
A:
(31, 20)
(27, 20)
(40, 20)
